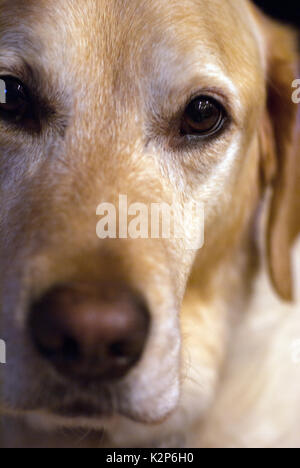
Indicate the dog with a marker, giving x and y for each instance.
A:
(145, 342)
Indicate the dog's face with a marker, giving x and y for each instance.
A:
(160, 101)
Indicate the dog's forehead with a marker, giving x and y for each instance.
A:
(127, 47)
(125, 31)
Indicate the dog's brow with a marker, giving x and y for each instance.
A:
(211, 78)
(12, 63)
(18, 39)
(15, 47)
(213, 72)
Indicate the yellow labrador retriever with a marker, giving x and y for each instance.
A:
(144, 340)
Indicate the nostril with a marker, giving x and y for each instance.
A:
(118, 349)
(70, 350)
(122, 353)
(67, 349)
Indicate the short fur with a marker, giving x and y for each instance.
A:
(217, 370)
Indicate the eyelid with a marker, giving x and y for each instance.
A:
(21, 71)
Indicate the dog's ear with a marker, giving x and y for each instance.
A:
(280, 157)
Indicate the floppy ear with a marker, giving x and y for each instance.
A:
(280, 154)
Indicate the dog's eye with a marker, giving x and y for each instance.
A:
(14, 100)
(203, 116)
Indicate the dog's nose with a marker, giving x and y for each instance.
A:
(90, 332)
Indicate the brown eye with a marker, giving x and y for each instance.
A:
(14, 102)
(203, 116)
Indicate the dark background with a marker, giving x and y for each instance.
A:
(286, 10)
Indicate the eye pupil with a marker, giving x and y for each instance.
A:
(203, 116)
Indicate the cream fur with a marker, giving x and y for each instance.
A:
(218, 368)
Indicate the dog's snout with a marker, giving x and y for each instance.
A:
(90, 332)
